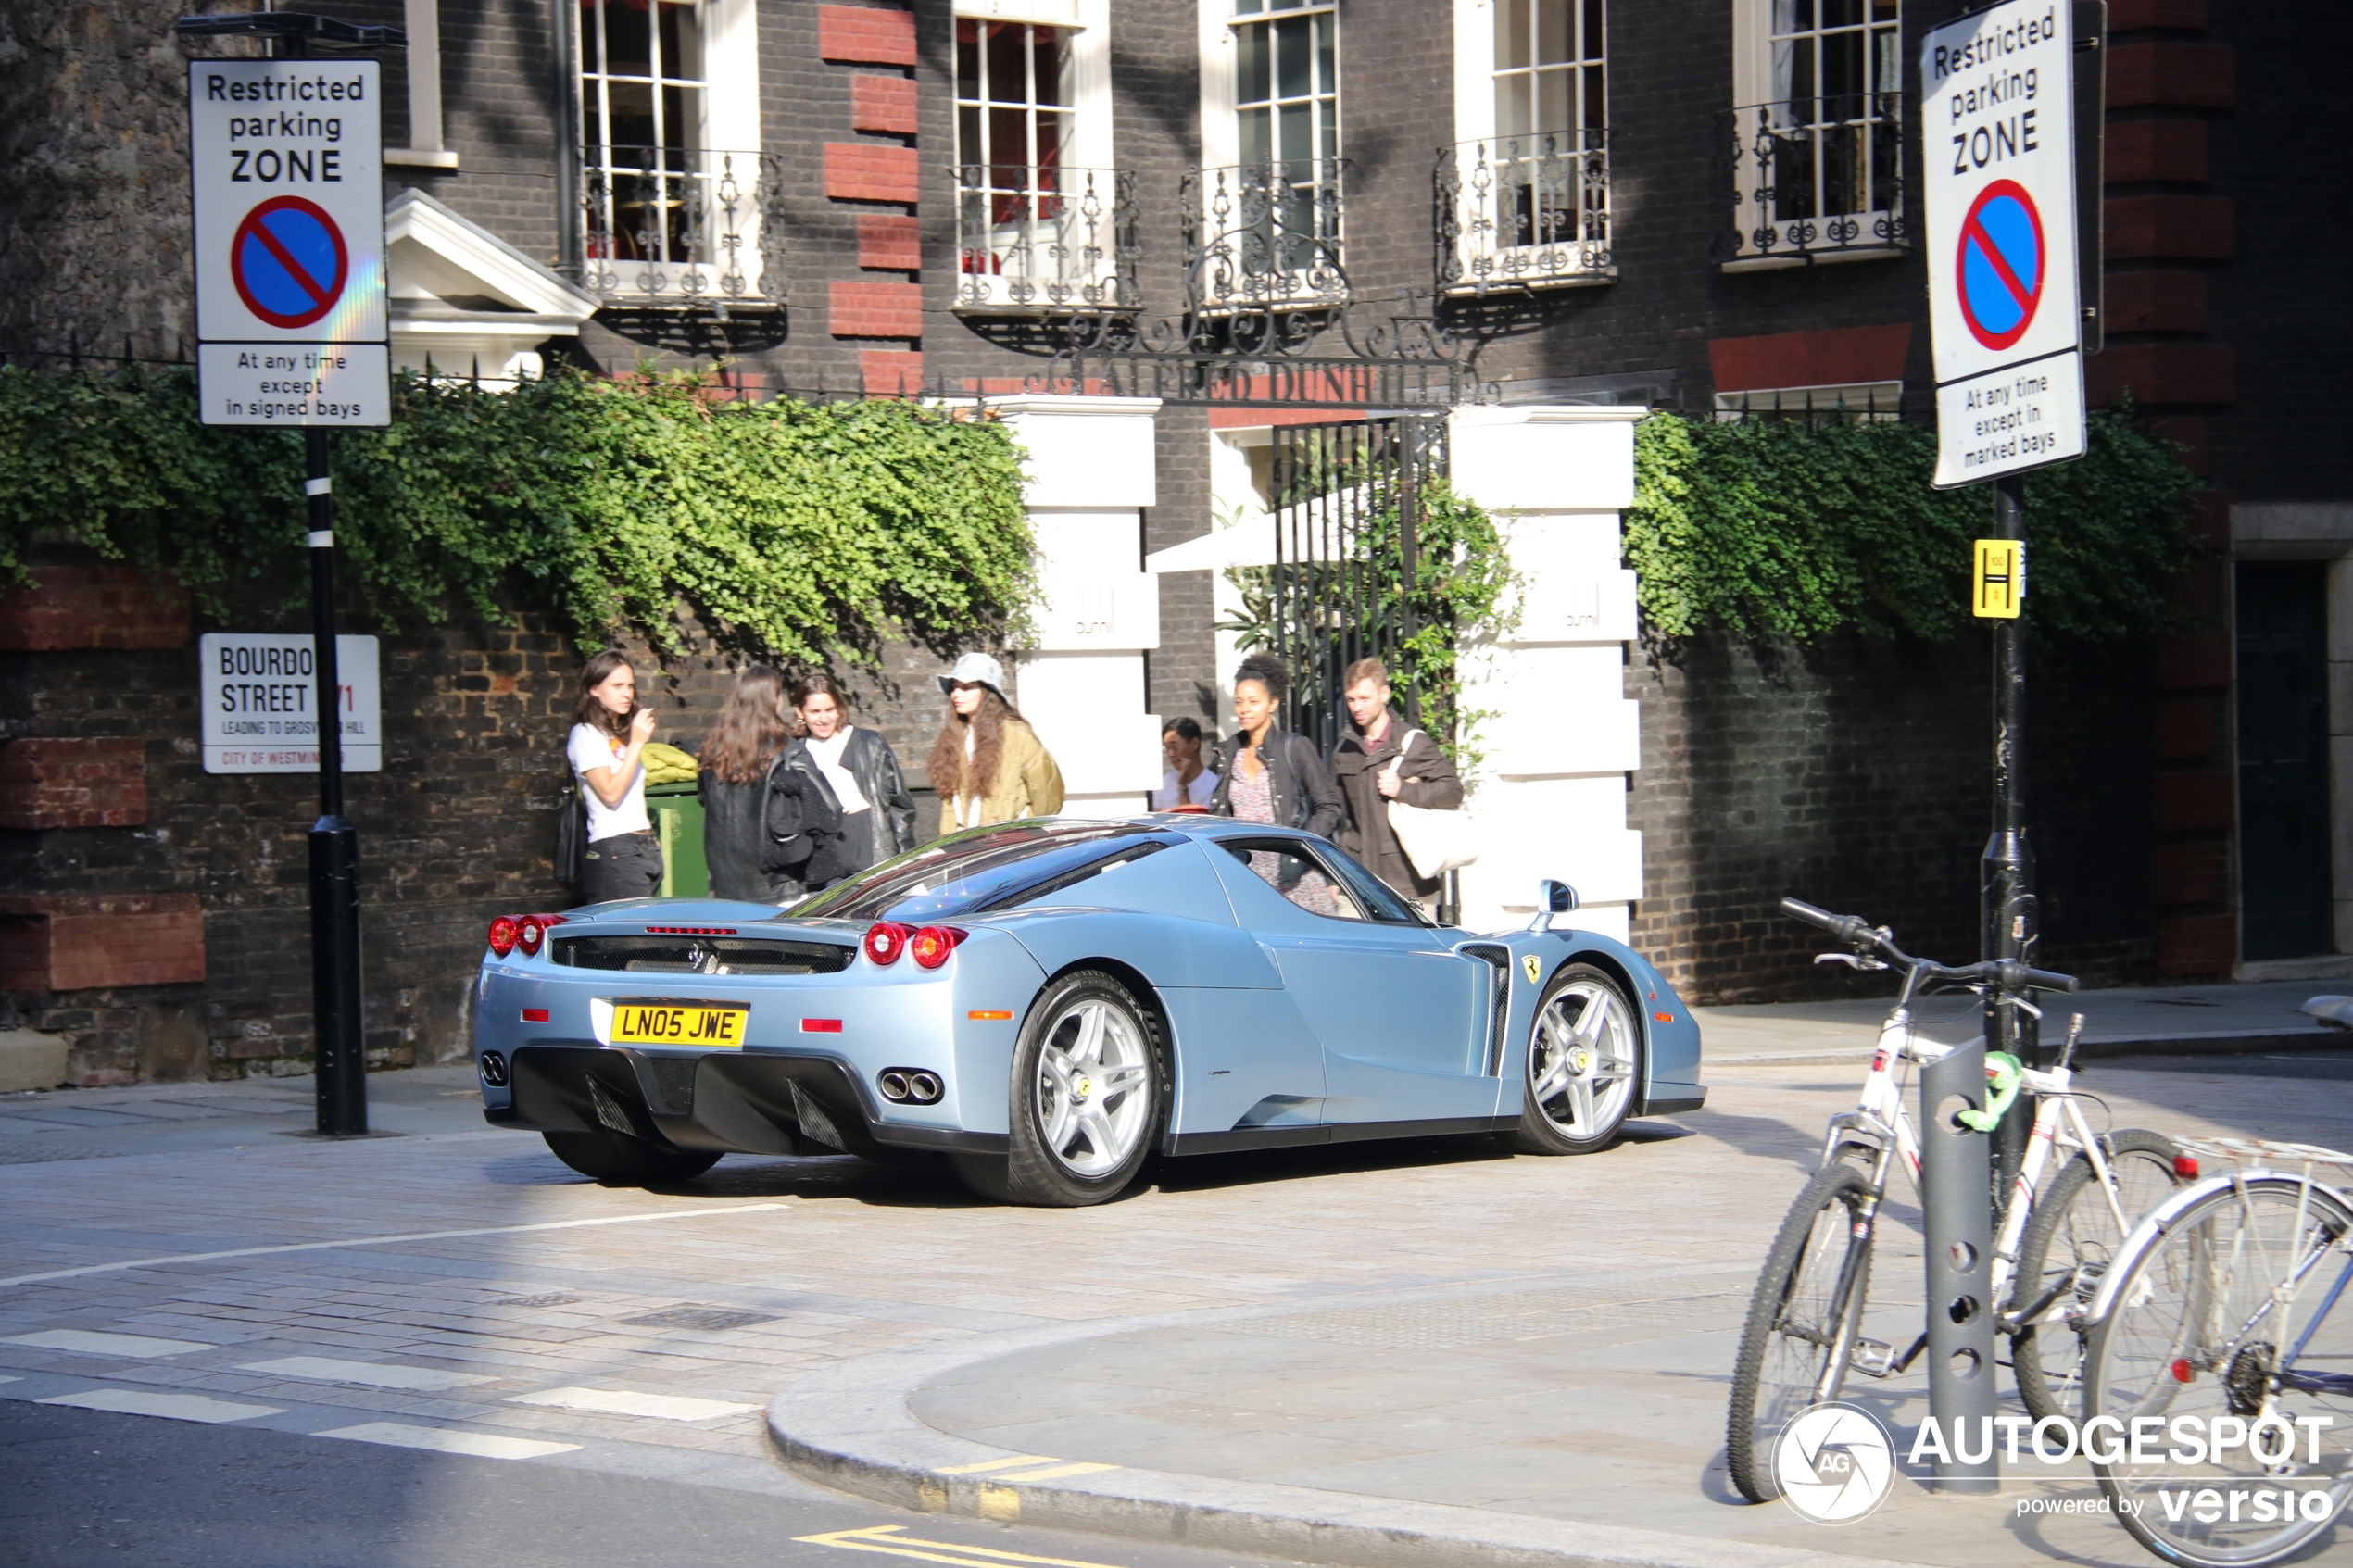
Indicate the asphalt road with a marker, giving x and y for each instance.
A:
(85, 1488)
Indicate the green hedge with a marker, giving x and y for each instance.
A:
(1770, 528)
(804, 533)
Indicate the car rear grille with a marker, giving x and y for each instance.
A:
(702, 955)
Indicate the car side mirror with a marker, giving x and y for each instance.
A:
(1552, 899)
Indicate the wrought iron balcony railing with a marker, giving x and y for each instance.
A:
(674, 228)
(1265, 236)
(1045, 240)
(1523, 212)
(1811, 179)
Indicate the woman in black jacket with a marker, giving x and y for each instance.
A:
(861, 773)
(1279, 772)
(766, 829)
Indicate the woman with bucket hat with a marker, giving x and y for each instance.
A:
(989, 765)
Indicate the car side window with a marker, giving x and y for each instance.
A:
(1380, 900)
(1285, 866)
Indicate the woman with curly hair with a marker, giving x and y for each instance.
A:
(989, 765)
(1275, 776)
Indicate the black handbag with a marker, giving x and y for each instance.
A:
(571, 840)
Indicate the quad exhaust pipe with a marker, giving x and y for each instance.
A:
(910, 1086)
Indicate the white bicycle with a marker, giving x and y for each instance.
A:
(2053, 1247)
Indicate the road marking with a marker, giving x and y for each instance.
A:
(998, 1464)
(170, 1407)
(128, 1345)
(886, 1538)
(367, 1374)
(383, 1241)
(1054, 1472)
(441, 1440)
(624, 1401)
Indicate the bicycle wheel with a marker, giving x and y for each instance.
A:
(1802, 1321)
(2070, 1240)
(2196, 1333)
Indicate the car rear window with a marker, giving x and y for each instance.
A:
(982, 868)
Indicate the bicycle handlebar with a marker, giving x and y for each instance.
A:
(2002, 974)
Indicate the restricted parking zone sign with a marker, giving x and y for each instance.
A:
(1998, 138)
(287, 165)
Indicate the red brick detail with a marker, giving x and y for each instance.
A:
(2191, 873)
(890, 373)
(2162, 373)
(1840, 357)
(882, 103)
(890, 242)
(2196, 76)
(2140, 15)
(874, 310)
(2185, 729)
(2195, 663)
(870, 172)
(1257, 418)
(60, 942)
(2197, 945)
(2192, 802)
(47, 781)
(2143, 150)
(865, 35)
(2155, 302)
(93, 607)
(2191, 228)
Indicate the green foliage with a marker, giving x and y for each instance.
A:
(805, 532)
(1461, 590)
(1768, 528)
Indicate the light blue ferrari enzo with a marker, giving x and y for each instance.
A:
(1048, 1002)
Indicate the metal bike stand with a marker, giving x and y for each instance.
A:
(1956, 1165)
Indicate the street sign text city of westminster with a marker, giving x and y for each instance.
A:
(287, 165)
(1998, 140)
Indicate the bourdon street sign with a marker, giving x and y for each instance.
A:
(1998, 143)
(287, 165)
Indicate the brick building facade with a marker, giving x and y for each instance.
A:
(1616, 242)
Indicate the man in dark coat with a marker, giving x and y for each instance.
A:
(1364, 762)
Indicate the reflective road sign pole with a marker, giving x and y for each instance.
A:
(341, 1064)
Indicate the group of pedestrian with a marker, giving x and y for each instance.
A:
(1274, 775)
(795, 796)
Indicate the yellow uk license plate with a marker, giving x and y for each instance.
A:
(677, 1023)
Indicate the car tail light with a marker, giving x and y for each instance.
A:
(885, 941)
(2185, 1167)
(930, 947)
(502, 935)
(532, 930)
(534, 1015)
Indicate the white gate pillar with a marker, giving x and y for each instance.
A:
(1090, 475)
(1552, 785)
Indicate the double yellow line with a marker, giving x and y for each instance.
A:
(886, 1538)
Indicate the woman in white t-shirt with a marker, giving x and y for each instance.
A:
(609, 733)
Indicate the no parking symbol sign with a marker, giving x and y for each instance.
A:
(1998, 138)
(288, 175)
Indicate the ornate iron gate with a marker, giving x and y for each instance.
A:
(1348, 500)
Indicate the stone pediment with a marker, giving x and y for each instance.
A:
(465, 301)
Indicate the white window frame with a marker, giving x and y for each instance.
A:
(1089, 150)
(1753, 85)
(1481, 261)
(1877, 402)
(1220, 148)
(729, 136)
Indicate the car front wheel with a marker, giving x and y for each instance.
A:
(1584, 1065)
(1087, 1096)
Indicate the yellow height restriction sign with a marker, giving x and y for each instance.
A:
(2000, 586)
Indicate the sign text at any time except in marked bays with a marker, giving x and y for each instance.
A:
(287, 167)
(1998, 116)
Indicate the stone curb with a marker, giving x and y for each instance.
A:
(2226, 1042)
(850, 1426)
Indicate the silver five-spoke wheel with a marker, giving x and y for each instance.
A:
(1094, 1104)
(1584, 1064)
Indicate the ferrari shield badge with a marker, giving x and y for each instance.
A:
(1531, 967)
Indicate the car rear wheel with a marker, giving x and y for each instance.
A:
(1584, 1065)
(620, 1161)
(1089, 1091)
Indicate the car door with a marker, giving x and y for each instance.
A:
(1400, 1016)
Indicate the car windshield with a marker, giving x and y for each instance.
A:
(969, 870)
